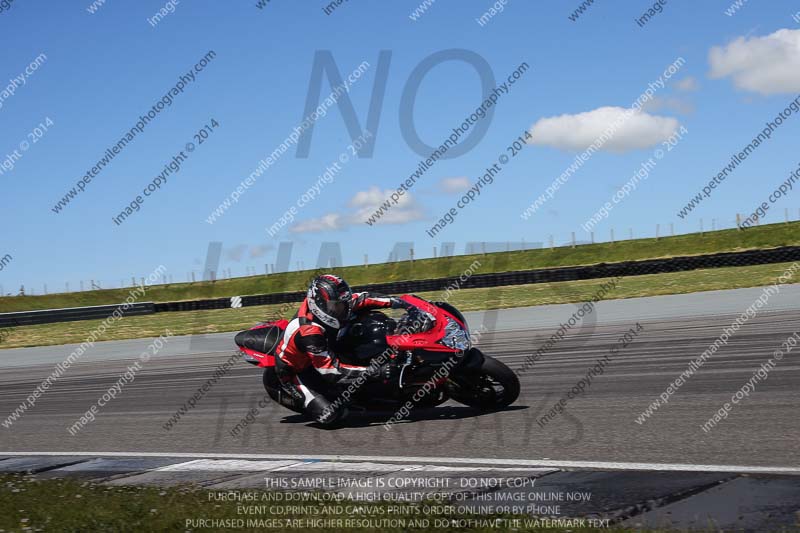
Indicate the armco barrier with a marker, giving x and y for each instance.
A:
(520, 277)
(48, 316)
(602, 270)
(524, 277)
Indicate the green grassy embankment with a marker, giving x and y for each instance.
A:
(770, 236)
(222, 320)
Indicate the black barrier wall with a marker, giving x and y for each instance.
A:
(49, 316)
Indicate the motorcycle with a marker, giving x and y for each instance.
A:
(435, 363)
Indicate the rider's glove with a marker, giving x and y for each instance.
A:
(398, 303)
(416, 321)
(427, 321)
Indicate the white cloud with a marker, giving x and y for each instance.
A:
(578, 132)
(260, 250)
(677, 105)
(454, 185)
(329, 222)
(687, 84)
(367, 202)
(362, 206)
(369, 198)
(236, 253)
(765, 65)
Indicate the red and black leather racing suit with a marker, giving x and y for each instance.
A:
(305, 365)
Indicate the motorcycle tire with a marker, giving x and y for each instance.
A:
(490, 387)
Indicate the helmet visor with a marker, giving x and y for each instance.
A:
(338, 309)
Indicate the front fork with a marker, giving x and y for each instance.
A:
(408, 360)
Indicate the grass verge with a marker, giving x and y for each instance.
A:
(27, 504)
(222, 320)
(769, 236)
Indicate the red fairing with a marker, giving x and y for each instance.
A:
(428, 340)
(283, 324)
(264, 360)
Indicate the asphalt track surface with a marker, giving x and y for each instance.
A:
(761, 431)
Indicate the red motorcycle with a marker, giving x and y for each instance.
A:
(435, 365)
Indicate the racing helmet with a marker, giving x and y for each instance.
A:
(330, 300)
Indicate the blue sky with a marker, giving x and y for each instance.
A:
(103, 70)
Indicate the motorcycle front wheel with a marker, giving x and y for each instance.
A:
(492, 386)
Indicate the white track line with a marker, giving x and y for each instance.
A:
(591, 465)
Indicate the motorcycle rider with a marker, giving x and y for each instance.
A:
(304, 363)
